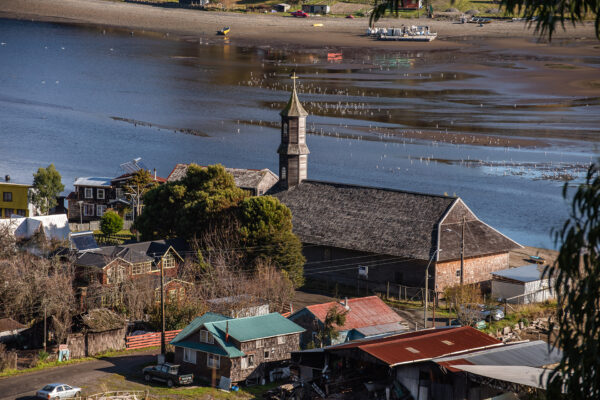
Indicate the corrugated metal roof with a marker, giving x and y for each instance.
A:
(424, 345)
(528, 376)
(526, 273)
(258, 327)
(196, 324)
(532, 354)
(381, 329)
(363, 312)
(92, 181)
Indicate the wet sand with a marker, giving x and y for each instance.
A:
(267, 29)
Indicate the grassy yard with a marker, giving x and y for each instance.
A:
(52, 364)
(523, 313)
(117, 382)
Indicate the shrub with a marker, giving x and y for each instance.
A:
(111, 223)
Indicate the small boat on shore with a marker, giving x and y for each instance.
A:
(405, 34)
(224, 31)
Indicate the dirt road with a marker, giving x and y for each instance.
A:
(24, 386)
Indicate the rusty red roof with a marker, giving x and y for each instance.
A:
(362, 312)
(424, 345)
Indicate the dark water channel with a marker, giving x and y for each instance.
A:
(87, 100)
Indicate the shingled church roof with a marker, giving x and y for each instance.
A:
(387, 221)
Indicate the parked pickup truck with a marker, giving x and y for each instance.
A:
(168, 373)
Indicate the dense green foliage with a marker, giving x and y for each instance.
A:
(47, 185)
(111, 223)
(266, 228)
(206, 206)
(577, 288)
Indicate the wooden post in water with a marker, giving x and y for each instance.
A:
(387, 294)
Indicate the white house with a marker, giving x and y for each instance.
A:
(522, 285)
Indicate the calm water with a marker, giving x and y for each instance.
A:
(88, 100)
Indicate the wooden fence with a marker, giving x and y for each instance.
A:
(148, 339)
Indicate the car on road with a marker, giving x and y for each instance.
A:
(479, 312)
(167, 373)
(299, 14)
(55, 391)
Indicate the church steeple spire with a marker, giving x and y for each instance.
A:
(294, 107)
(293, 152)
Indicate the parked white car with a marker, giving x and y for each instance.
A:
(55, 391)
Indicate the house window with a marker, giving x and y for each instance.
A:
(100, 194)
(119, 193)
(458, 273)
(251, 360)
(213, 361)
(283, 173)
(267, 354)
(22, 213)
(244, 362)
(259, 344)
(140, 268)
(172, 295)
(8, 212)
(7, 196)
(168, 261)
(280, 339)
(154, 267)
(100, 210)
(115, 274)
(89, 193)
(206, 337)
(189, 356)
(88, 210)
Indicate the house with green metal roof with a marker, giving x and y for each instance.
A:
(214, 346)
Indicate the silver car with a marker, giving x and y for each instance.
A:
(58, 391)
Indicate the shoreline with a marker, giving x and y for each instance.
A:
(278, 30)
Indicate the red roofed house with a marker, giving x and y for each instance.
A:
(365, 317)
(405, 363)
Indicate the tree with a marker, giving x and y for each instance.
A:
(575, 279)
(46, 186)
(228, 226)
(334, 319)
(266, 228)
(111, 223)
(547, 15)
(139, 184)
(188, 207)
(464, 299)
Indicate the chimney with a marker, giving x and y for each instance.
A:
(154, 173)
(7, 178)
(345, 303)
(226, 331)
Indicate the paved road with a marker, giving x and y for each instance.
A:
(23, 387)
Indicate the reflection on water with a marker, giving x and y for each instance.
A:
(87, 99)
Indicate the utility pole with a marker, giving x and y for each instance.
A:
(425, 297)
(462, 252)
(162, 309)
(44, 327)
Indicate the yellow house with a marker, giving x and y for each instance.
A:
(14, 199)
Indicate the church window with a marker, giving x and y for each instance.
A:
(285, 129)
(283, 173)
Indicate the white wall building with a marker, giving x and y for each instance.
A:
(522, 285)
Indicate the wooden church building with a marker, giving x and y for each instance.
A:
(371, 236)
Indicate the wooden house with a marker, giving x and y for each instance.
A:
(214, 346)
(374, 237)
(112, 265)
(90, 199)
(255, 181)
(15, 199)
(365, 317)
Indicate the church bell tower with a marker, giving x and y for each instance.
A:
(293, 152)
